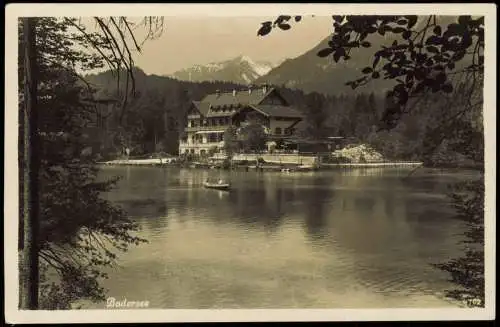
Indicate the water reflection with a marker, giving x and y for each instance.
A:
(358, 238)
(316, 201)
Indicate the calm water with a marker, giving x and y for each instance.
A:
(338, 239)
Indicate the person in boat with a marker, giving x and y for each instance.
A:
(221, 181)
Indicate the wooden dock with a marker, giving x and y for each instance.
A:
(373, 165)
(135, 162)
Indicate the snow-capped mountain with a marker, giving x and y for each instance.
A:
(242, 70)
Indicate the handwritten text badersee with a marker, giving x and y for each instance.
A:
(111, 303)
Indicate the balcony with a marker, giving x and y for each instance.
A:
(220, 128)
(199, 145)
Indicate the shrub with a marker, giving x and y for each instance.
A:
(226, 164)
(337, 160)
(467, 271)
(213, 150)
(186, 157)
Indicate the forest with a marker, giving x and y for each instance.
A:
(156, 113)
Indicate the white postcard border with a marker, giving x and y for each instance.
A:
(14, 315)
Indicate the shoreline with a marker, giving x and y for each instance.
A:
(274, 166)
(264, 166)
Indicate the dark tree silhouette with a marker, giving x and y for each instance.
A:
(253, 137)
(430, 55)
(63, 222)
(231, 144)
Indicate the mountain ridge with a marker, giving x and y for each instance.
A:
(311, 73)
(241, 70)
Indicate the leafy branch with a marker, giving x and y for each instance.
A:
(418, 62)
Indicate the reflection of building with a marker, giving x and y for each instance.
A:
(210, 117)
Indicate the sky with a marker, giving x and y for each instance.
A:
(187, 41)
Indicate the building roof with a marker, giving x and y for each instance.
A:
(215, 114)
(226, 104)
(241, 97)
(278, 111)
(203, 107)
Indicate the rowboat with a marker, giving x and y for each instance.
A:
(217, 186)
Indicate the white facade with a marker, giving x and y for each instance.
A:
(209, 119)
(279, 127)
(199, 143)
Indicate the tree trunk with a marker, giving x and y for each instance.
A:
(29, 256)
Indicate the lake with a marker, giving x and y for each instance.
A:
(357, 238)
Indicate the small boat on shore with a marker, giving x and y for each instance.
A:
(305, 168)
(220, 185)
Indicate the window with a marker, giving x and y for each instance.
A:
(277, 131)
(212, 137)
